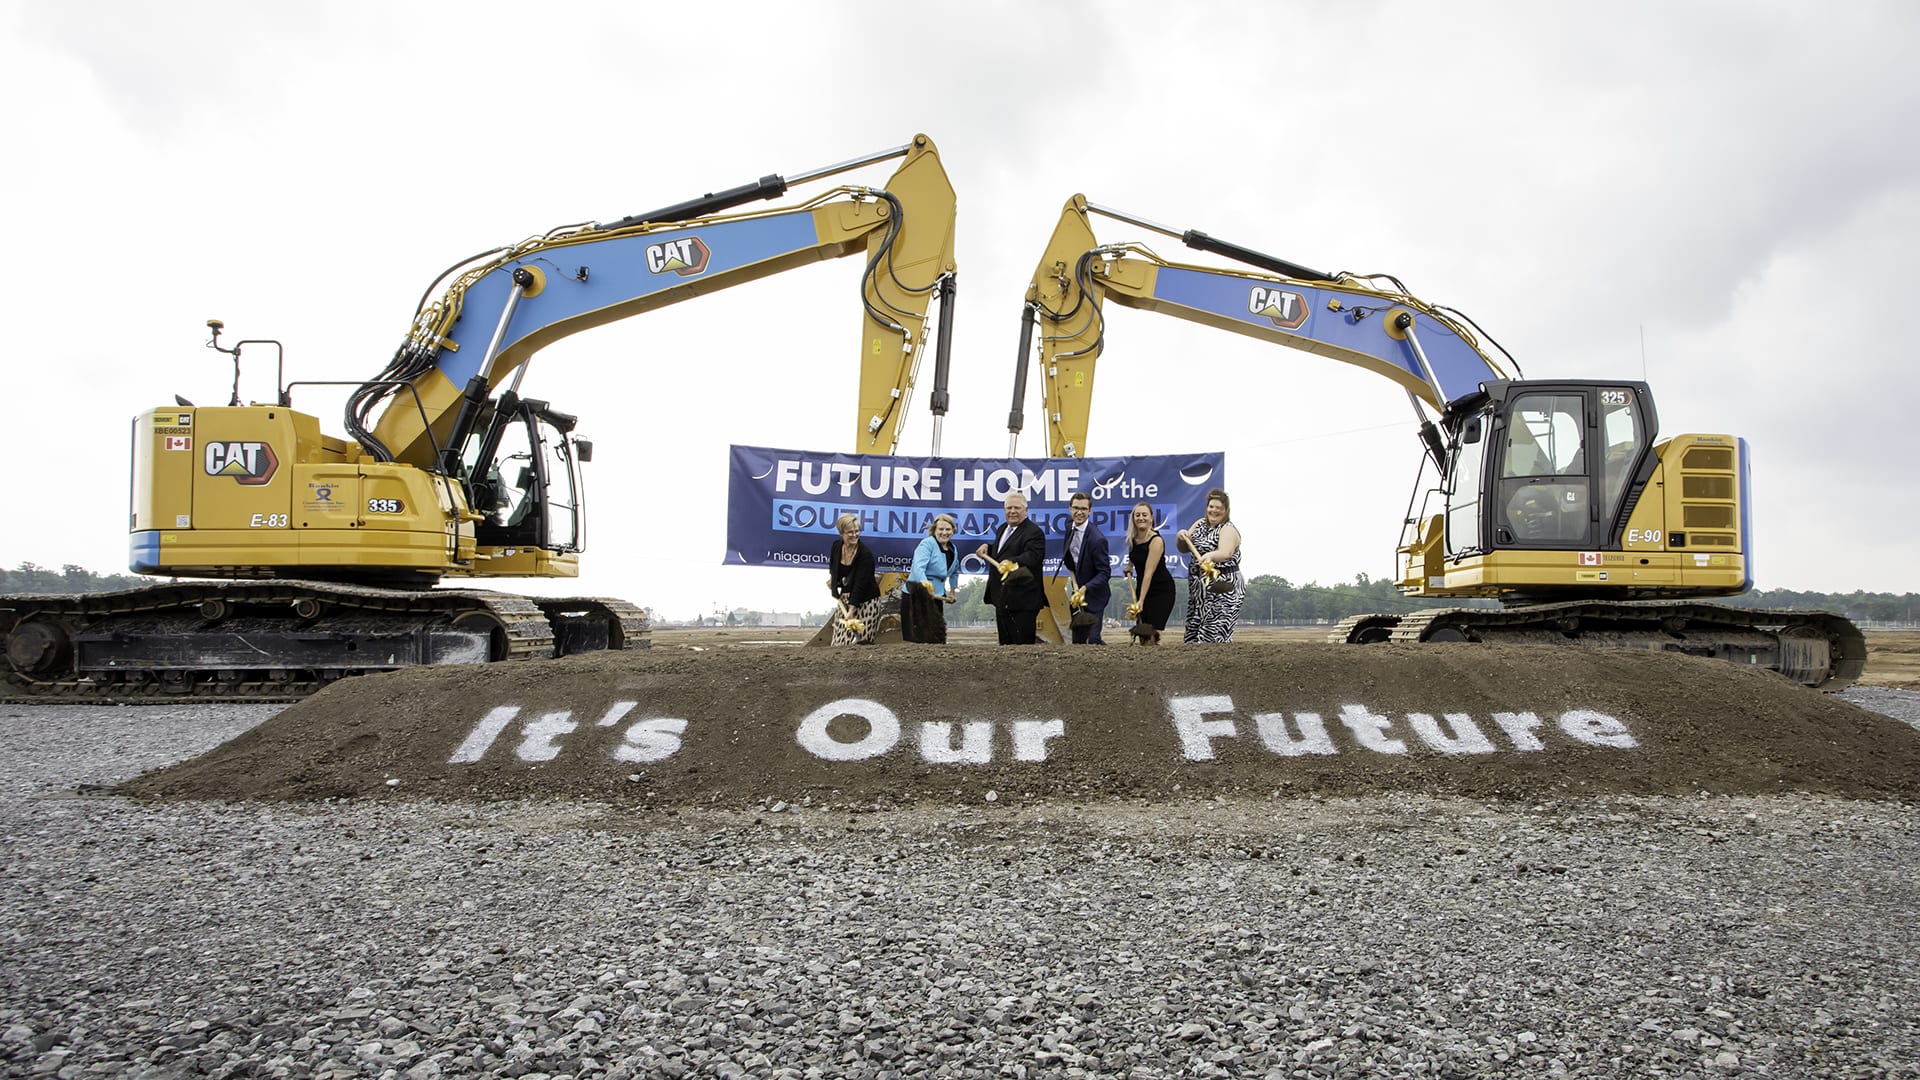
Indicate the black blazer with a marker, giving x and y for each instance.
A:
(853, 582)
(1028, 547)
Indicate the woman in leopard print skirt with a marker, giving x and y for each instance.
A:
(850, 578)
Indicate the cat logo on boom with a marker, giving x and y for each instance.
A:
(686, 256)
(1287, 309)
(249, 463)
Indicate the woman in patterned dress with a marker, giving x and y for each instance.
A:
(1215, 544)
(850, 579)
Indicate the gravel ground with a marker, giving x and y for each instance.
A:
(1387, 936)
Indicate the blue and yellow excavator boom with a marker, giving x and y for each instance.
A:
(1433, 353)
(498, 309)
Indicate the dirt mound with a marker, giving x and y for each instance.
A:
(906, 724)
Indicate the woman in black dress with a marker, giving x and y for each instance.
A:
(1152, 581)
(850, 578)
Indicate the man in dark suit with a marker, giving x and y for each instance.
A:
(1084, 553)
(1017, 595)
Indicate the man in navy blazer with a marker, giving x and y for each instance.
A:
(1084, 553)
(1018, 596)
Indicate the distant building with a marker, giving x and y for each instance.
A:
(769, 619)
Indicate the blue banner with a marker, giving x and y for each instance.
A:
(782, 504)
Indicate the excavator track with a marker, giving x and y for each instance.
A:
(1363, 630)
(591, 623)
(1814, 648)
(277, 641)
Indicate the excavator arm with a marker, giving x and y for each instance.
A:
(1433, 353)
(498, 309)
(1554, 497)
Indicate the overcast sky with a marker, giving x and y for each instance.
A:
(1712, 196)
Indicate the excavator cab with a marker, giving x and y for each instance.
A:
(524, 478)
(1547, 465)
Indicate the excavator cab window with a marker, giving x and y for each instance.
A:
(1467, 461)
(511, 487)
(561, 472)
(530, 490)
(1543, 495)
(516, 499)
(1564, 458)
(1622, 429)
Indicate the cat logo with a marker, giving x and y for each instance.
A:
(686, 256)
(249, 463)
(1287, 309)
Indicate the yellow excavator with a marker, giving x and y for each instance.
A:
(322, 554)
(1558, 498)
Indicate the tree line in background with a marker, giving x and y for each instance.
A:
(31, 578)
(1270, 599)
